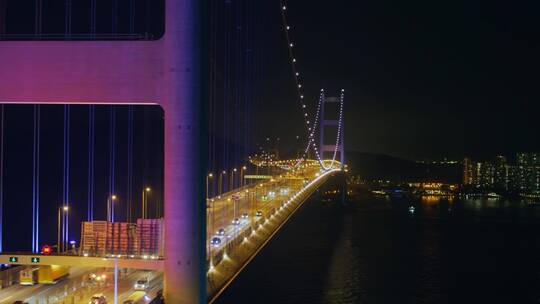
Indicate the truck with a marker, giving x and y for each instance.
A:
(51, 274)
(135, 298)
(29, 275)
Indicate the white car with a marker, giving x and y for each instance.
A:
(141, 285)
(216, 241)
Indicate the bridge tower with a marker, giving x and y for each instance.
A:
(327, 149)
(167, 72)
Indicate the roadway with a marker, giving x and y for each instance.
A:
(73, 290)
(266, 197)
(249, 200)
(248, 237)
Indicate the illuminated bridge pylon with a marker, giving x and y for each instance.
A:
(331, 150)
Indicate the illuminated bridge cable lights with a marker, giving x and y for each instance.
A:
(310, 124)
(130, 165)
(2, 178)
(91, 143)
(112, 155)
(312, 132)
(296, 74)
(65, 185)
(35, 180)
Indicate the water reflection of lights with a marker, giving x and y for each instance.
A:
(433, 199)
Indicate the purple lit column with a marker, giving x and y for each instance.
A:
(164, 72)
(183, 179)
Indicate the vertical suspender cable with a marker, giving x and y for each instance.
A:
(227, 83)
(211, 93)
(93, 18)
(68, 19)
(2, 21)
(130, 165)
(35, 181)
(248, 79)
(2, 179)
(91, 139)
(114, 24)
(112, 156)
(65, 198)
(38, 173)
(132, 17)
(38, 17)
(236, 117)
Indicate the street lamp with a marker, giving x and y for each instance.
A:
(220, 181)
(231, 180)
(145, 202)
(244, 168)
(110, 207)
(209, 176)
(60, 243)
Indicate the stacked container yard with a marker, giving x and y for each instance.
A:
(150, 237)
(94, 238)
(120, 238)
(100, 238)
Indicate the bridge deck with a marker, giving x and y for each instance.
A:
(80, 261)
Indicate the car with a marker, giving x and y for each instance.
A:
(221, 231)
(89, 281)
(215, 241)
(236, 221)
(98, 298)
(258, 213)
(244, 215)
(141, 284)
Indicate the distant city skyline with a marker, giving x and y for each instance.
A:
(520, 176)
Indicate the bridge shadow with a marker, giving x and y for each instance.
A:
(283, 271)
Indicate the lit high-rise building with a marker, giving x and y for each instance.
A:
(467, 171)
(500, 172)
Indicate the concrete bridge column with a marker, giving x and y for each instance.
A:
(184, 196)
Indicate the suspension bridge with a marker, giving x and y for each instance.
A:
(208, 239)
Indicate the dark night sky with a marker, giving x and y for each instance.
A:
(423, 78)
(147, 167)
